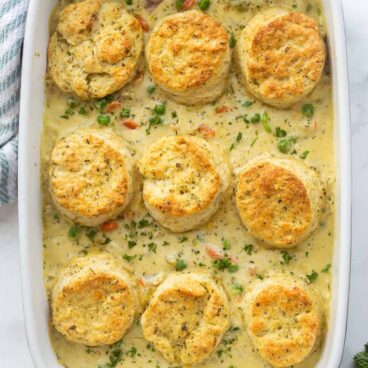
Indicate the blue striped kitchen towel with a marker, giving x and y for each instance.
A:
(12, 21)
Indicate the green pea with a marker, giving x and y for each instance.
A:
(204, 4)
(160, 109)
(308, 110)
(256, 118)
(284, 145)
(74, 232)
(103, 119)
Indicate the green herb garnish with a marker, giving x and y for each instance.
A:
(304, 155)
(248, 248)
(361, 359)
(237, 288)
(312, 277)
(232, 41)
(286, 257)
(308, 110)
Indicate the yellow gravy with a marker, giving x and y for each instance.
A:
(146, 247)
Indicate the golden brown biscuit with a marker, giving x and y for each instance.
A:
(185, 180)
(284, 317)
(281, 56)
(95, 48)
(186, 318)
(279, 200)
(93, 301)
(189, 57)
(91, 176)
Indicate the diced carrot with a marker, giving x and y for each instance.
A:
(130, 124)
(213, 251)
(221, 109)
(109, 226)
(144, 24)
(206, 131)
(141, 281)
(113, 105)
(188, 4)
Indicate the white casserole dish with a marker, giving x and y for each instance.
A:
(36, 308)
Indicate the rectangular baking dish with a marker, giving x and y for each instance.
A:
(36, 308)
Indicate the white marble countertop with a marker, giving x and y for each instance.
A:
(13, 345)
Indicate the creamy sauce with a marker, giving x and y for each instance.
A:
(150, 245)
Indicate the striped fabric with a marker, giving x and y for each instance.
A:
(12, 21)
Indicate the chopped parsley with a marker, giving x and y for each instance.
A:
(180, 265)
(225, 264)
(361, 359)
(152, 247)
(226, 245)
(131, 244)
(115, 356)
(326, 269)
(143, 223)
(304, 155)
(125, 112)
(82, 111)
(248, 248)
(91, 234)
(312, 277)
(237, 288)
(129, 258)
(237, 140)
(132, 352)
(286, 257)
(232, 41)
(153, 121)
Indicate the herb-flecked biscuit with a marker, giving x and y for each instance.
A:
(185, 180)
(188, 56)
(93, 301)
(284, 318)
(186, 318)
(280, 200)
(91, 176)
(95, 48)
(281, 56)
